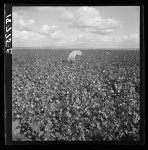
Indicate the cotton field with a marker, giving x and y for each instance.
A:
(94, 98)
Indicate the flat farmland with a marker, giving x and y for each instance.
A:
(95, 98)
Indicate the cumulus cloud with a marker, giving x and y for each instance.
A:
(135, 37)
(89, 19)
(26, 35)
(58, 34)
(52, 32)
(47, 30)
(105, 40)
(126, 38)
(20, 24)
(127, 41)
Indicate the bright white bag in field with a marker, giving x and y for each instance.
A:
(73, 54)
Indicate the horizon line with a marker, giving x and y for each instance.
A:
(70, 48)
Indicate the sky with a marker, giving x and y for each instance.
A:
(76, 27)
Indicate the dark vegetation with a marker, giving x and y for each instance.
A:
(95, 98)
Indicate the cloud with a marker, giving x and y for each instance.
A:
(58, 35)
(135, 37)
(128, 41)
(26, 35)
(28, 38)
(20, 24)
(47, 30)
(51, 32)
(47, 35)
(105, 40)
(127, 38)
(89, 19)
